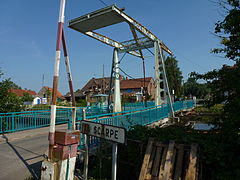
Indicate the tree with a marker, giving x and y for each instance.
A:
(9, 102)
(225, 85)
(27, 97)
(48, 95)
(228, 30)
(174, 75)
(225, 82)
(1, 73)
(13, 85)
(193, 88)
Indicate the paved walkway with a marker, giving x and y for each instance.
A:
(21, 153)
(28, 133)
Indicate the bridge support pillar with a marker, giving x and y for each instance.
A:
(117, 107)
(162, 89)
(160, 93)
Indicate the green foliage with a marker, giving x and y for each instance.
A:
(217, 156)
(228, 30)
(225, 85)
(27, 97)
(1, 73)
(193, 88)
(9, 102)
(40, 107)
(48, 93)
(218, 159)
(225, 82)
(128, 99)
(81, 103)
(12, 85)
(174, 75)
(64, 103)
(217, 108)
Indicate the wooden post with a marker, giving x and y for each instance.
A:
(146, 159)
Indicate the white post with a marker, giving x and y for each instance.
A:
(55, 78)
(166, 81)
(158, 79)
(114, 161)
(74, 112)
(117, 107)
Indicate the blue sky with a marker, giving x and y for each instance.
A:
(28, 36)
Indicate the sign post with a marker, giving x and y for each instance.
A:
(85, 170)
(111, 133)
(114, 161)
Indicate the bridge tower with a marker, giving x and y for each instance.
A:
(89, 23)
(117, 107)
(160, 93)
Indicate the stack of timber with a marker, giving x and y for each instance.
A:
(169, 161)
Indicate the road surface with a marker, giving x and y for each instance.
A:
(21, 159)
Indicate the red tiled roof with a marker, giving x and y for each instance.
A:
(21, 92)
(59, 95)
(134, 83)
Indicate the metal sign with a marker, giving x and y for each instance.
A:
(111, 133)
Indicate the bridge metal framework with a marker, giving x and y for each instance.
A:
(89, 23)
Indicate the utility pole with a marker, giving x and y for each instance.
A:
(103, 82)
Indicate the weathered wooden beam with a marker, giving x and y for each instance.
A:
(179, 162)
(161, 168)
(192, 167)
(146, 159)
(156, 164)
(149, 170)
(169, 159)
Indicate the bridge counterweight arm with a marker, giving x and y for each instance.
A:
(109, 41)
(136, 39)
(142, 29)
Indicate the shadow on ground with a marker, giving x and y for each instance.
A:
(33, 168)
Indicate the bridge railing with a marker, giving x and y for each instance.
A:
(17, 121)
(137, 105)
(142, 117)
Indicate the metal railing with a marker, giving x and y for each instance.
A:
(132, 114)
(142, 117)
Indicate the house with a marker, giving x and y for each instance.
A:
(22, 92)
(135, 87)
(129, 88)
(78, 95)
(33, 99)
(96, 86)
(46, 92)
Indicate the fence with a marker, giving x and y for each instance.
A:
(138, 117)
(130, 106)
(17, 121)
